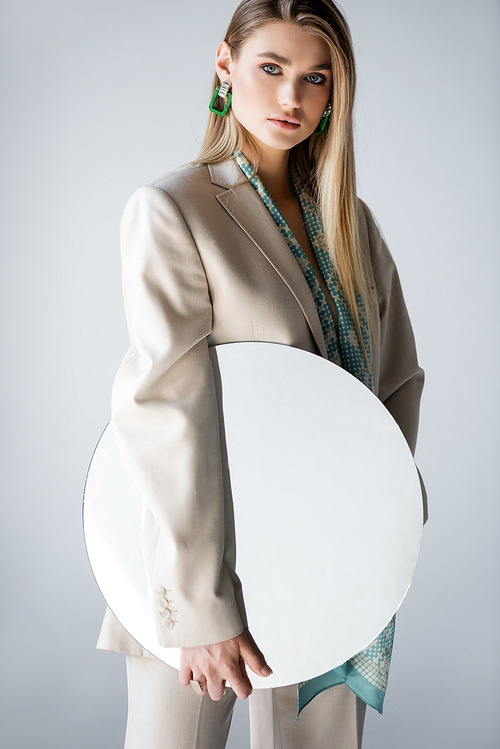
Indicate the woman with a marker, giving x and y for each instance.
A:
(261, 238)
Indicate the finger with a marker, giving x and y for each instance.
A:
(239, 681)
(185, 674)
(216, 688)
(253, 657)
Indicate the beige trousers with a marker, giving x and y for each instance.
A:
(165, 715)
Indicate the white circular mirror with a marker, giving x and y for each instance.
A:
(328, 512)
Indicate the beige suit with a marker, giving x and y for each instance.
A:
(204, 264)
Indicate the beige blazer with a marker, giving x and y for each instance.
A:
(203, 264)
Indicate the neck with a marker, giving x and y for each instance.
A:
(273, 171)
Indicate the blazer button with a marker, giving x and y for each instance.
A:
(167, 623)
(165, 613)
(160, 590)
(163, 603)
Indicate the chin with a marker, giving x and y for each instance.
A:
(279, 141)
(275, 139)
(285, 145)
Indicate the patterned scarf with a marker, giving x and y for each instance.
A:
(367, 672)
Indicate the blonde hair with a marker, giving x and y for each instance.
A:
(325, 162)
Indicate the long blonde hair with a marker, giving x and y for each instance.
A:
(325, 162)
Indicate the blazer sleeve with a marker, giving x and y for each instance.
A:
(401, 378)
(165, 419)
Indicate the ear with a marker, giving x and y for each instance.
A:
(223, 62)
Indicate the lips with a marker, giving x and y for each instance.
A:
(284, 122)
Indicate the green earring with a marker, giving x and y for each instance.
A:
(222, 92)
(324, 120)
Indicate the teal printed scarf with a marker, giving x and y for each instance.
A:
(367, 672)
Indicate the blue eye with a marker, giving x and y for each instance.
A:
(318, 79)
(271, 69)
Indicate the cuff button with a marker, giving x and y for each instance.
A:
(160, 590)
(167, 623)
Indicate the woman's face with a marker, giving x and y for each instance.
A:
(280, 83)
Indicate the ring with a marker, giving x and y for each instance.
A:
(238, 684)
(197, 686)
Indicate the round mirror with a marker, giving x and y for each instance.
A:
(327, 504)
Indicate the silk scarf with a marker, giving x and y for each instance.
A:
(367, 672)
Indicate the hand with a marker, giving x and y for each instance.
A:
(224, 661)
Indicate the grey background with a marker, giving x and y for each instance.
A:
(99, 98)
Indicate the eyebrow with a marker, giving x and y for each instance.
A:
(284, 61)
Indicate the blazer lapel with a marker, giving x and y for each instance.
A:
(246, 208)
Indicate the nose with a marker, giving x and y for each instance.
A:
(289, 95)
